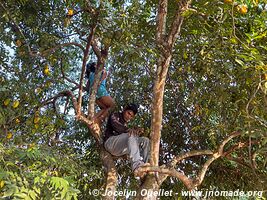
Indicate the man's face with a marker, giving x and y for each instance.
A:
(128, 115)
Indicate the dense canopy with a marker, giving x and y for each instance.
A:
(215, 87)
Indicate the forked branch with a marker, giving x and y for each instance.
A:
(189, 182)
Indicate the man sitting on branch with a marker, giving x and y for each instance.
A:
(120, 140)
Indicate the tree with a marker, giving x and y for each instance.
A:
(203, 61)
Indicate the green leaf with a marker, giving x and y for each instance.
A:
(240, 62)
(188, 12)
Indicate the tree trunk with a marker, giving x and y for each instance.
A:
(157, 107)
(165, 42)
(149, 189)
(111, 174)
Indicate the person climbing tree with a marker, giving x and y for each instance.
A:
(103, 99)
(120, 140)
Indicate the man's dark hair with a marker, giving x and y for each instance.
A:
(90, 67)
(132, 106)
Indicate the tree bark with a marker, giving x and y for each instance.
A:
(165, 43)
(111, 173)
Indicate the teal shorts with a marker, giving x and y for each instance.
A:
(102, 92)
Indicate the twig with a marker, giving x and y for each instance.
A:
(17, 27)
(65, 77)
(45, 52)
(183, 156)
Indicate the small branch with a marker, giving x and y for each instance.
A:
(67, 93)
(190, 154)
(221, 147)
(238, 160)
(47, 51)
(251, 98)
(254, 163)
(17, 28)
(66, 105)
(65, 77)
(149, 71)
(235, 147)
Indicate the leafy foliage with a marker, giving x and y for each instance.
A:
(32, 172)
(216, 84)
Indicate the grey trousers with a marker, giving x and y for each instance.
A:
(136, 147)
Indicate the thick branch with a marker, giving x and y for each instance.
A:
(161, 20)
(198, 180)
(80, 117)
(183, 156)
(162, 69)
(85, 56)
(96, 48)
(89, 124)
(92, 95)
(170, 172)
(215, 156)
(111, 172)
(220, 153)
(101, 58)
(178, 21)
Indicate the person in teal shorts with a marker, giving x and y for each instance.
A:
(103, 98)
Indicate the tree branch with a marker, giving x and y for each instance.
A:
(238, 160)
(65, 77)
(198, 180)
(111, 172)
(178, 21)
(190, 154)
(162, 70)
(86, 52)
(93, 91)
(62, 94)
(17, 28)
(47, 51)
(215, 155)
(161, 21)
(233, 135)
(170, 172)
(96, 48)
